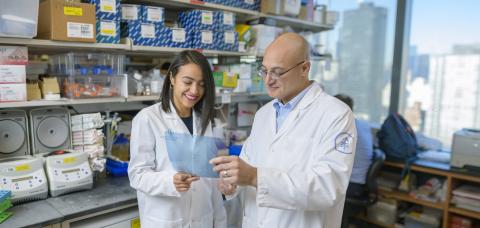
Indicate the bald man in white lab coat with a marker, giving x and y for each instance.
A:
(295, 166)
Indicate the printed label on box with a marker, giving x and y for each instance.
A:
(154, 14)
(12, 74)
(108, 6)
(79, 30)
(147, 31)
(13, 92)
(13, 55)
(72, 11)
(178, 35)
(207, 37)
(207, 17)
(108, 28)
(229, 37)
(250, 2)
(129, 12)
(227, 18)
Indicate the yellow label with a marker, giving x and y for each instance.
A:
(22, 168)
(135, 223)
(230, 80)
(108, 32)
(72, 11)
(69, 160)
(107, 8)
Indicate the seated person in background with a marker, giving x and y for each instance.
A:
(363, 153)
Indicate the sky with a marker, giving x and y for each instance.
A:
(436, 25)
(439, 24)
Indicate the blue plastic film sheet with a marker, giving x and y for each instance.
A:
(192, 153)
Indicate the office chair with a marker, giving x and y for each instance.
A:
(355, 205)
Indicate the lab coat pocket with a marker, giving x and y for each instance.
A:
(153, 222)
(205, 221)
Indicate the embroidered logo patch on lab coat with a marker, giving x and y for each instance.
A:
(343, 143)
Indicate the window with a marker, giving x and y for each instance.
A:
(441, 91)
(361, 46)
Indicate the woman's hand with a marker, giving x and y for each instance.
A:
(182, 181)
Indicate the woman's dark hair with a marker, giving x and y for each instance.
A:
(205, 106)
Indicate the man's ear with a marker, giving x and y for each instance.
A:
(306, 68)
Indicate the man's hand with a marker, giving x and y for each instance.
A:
(234, 171)
(182, 181)
(226, 189)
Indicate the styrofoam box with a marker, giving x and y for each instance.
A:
(18, 18)
(12, 74)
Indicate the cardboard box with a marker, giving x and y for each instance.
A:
(140, 33)
(152, 14)
(106, 9)
(130, 12)
(33, 91)
(63, 21)
(226, 40)
(108, 31)
(13, 55)
(202, 39)
(13, 92)
(271, 7)
(49, 86)
(12, 74)
(223, 20)
(196, 20)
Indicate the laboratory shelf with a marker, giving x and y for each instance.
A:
(234, 97)
(464, 212)
(398, 195)
(61, 102)
(49, 46)
(364, 218)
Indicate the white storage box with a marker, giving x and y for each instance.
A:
(13, 92)
(18, 18)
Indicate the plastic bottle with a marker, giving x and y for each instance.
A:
(156, 83)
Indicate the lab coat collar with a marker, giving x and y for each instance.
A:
(313, 92)
(180, 126)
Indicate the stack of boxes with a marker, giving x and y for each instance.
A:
(199, 24)
(88, 138)
(212, 30)
(13, 61)
(107, 14)
(144, 25)
(244, 4)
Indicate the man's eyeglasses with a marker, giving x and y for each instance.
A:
(275, 73)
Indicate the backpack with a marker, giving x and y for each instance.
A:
(397, 139)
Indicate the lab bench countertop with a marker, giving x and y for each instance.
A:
(107, 193)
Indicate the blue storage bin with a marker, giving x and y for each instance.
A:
(235, 150)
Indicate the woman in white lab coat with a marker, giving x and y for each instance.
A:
(167, 198)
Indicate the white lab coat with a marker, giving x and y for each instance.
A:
(151, 174)
(304, 169)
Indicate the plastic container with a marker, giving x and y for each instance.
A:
(77, 87)
(384, 211)
(116, 168)
(18, 18)
(84, 64)
(121, 148)
(235, 150)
